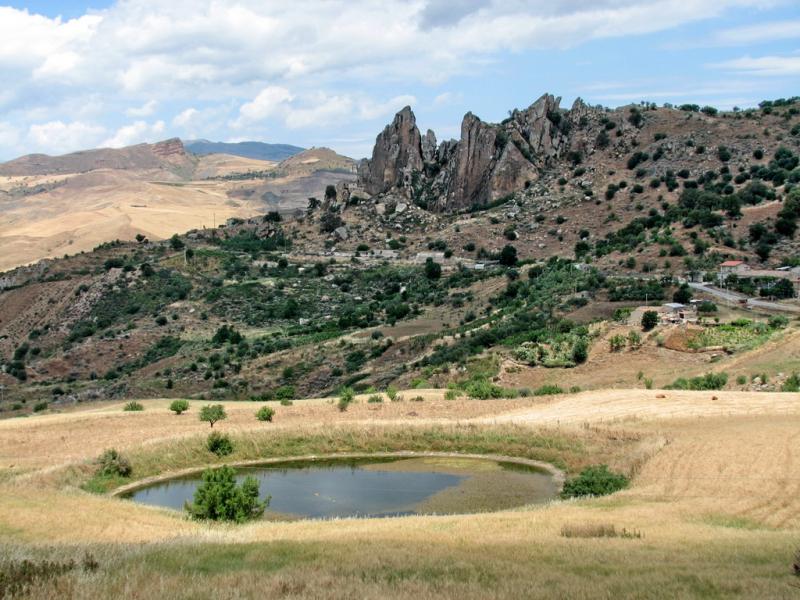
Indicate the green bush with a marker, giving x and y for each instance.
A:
(778, 322)
(482, 389)
(792, 384)
(375, 399)
(649, 320)
(218, 498)
(596, 480)
(113, 464)
(617, 342)
(219, 444)
(179, 406)
(709, 381)
(265, 413)
(211, 413)
(548, 390)
(346, 397)
(133, 407)
(391, 393)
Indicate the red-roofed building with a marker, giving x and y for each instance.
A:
(732, 267)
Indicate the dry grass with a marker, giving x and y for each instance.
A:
(57, 439)
(715, 495)
(597, 530)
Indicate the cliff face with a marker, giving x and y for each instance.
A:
(488, 162)
(397, 153)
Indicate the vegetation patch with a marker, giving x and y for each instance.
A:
(737, 336)
(598, 530)
(596, 480)
(709, 381)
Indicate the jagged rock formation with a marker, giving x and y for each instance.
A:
(489, 161)
(397, 153)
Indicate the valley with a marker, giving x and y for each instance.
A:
(582, 289)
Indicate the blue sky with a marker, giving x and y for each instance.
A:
(333, 72)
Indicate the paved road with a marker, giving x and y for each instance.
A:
(736, 297)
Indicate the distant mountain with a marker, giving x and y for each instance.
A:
(168, 155)
(257, 150)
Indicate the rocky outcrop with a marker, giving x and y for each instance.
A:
(397, 154)
(489, 161)
(471, 169)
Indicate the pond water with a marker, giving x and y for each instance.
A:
(376, 487)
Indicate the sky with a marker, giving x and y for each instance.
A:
(104, 73)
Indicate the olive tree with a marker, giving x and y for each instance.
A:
(212, 413)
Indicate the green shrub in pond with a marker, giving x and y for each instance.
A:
(265, 413)
(219, 444)
(219, 498)
(596, 480)
(179, 406)
(133, 407)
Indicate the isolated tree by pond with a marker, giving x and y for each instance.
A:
(212, 413)
(218, 498)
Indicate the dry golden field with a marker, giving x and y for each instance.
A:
(714, 496)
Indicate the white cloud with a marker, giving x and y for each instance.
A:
(769, 66)
(185, 117)
(145, 110)
(448, 98)
(135, 133)
(761, 32)
(57, 136)
(57, 64)
(297, 63)
(369, 109)
(314, 109)
(29, 39)
(9, 135)
(269, 102)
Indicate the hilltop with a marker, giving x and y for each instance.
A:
(256, 150)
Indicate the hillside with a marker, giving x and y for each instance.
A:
(255, 150)
(51, 206)
(169, 156)
(524, 290)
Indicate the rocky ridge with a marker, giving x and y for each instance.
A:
(488, 162)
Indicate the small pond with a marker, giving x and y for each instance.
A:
(376, 487)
